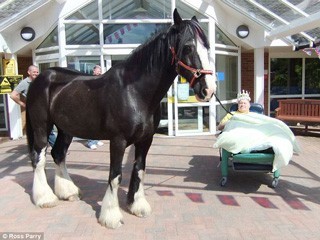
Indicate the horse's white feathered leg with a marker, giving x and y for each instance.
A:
(110, 215)
(42, 194)
(64, 187)
(140, 207)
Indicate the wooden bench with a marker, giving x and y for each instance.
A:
(303, 111)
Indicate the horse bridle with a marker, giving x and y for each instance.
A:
(196, 72)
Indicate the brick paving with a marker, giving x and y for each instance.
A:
(182, 187)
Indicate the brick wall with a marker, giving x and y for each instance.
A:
(247, 72)
(247, 75)
(23, 64)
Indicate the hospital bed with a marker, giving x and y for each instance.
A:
(249, 162)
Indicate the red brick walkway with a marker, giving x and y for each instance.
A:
(182, 187)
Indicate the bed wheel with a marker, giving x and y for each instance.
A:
(223, 181)
(275, 182)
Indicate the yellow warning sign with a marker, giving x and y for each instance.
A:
(8, 67)
(5, 86)
(8, 83)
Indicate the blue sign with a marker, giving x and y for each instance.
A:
(220, 76)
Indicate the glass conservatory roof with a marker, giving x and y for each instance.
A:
(296, 20)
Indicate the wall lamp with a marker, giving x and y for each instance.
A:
(243, 31)
(27, 34)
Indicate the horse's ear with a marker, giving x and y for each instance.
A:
(176, 17)
(194, 18)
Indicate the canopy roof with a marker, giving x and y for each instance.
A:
(13, 10)
(293, 21)
(296, 20)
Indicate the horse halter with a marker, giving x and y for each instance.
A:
(196, 72)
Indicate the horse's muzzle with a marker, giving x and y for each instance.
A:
(205, 95)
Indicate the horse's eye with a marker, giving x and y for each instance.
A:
(187, 49)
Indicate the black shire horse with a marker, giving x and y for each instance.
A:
(121, 105)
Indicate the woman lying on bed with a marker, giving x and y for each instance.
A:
(245, 131)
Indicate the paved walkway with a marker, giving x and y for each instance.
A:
(182, 186)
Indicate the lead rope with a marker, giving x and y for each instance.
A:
(227, 111)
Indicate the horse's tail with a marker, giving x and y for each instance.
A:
(30, 138)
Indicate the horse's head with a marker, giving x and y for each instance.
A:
(190, 53)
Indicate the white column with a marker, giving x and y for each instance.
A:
(170, 111)
(15, 123)
(259, 75)
(212, 55)
(62, 44)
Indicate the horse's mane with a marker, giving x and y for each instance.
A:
(155, 51)
(152, 53)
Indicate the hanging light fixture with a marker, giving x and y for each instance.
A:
(27, 34)
(242, 31)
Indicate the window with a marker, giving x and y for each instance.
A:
(227, 70)
(51, 40)
(293, 78)
(131, 9)
(83, 64)
(3, 120)
(82, 34)
(88, 12)
(131, 33)
(286, 76)
(312, 75)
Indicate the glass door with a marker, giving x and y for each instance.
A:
(228, 82)
(3, 113)
(45, 65)
(190, 116)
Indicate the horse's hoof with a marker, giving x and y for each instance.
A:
(140, 208)
(74, 198)
(111, 217)
(143, 214)
(48, 204)
(48, 200)
(111, 224)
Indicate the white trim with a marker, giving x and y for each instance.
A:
(62, 44)
(82, 52)
(259, 76)
(126, 21)
(239, 70)
(48, 58)
(218, 45)
(227, 53)
(47, 49)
